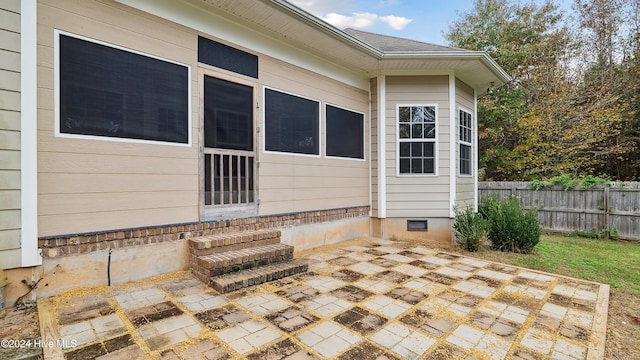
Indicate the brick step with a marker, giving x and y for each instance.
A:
(245, 278)
(217, 264)
(212, 244)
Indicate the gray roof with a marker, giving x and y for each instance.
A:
(386, 43)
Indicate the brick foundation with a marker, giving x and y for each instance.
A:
(75, 244)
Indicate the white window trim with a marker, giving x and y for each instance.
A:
(435, 140)
(264, 124)
(364, 137)
(58, 133)
(460, 142)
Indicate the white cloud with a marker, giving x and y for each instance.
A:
(396, 22)
(358, 20)
(330, 11)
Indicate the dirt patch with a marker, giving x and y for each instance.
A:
(622, 331)
(20, 325)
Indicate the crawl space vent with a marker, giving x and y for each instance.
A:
(417, 225)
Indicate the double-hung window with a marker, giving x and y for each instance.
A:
(417, 138)
(466, 141)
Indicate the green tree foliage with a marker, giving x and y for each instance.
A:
(572, 107)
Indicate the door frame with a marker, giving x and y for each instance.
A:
(227, 211)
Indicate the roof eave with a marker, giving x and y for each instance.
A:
(453, 55)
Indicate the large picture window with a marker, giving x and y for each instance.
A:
(291, 123)
(109, 92)
(466, 141)
(344, 133)
(417, 134)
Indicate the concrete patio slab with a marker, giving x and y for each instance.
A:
(362, 299)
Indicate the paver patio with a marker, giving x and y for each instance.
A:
(362, 299)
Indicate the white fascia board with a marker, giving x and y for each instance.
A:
(452, 145)
(200, 18)
(29, 134)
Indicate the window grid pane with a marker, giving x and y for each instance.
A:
(466, 139)
(417, 135)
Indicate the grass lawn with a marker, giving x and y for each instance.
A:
(616, 263)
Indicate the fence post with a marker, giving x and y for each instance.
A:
(606, 212)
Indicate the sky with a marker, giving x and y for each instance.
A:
(422, 20)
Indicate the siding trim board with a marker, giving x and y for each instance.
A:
(475, 150)
(452, 145)
(382, 147)
(29, 134)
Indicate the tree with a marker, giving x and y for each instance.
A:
(573, 106)
(530, 42)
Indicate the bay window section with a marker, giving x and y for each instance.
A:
(417, 137)
(466, 142)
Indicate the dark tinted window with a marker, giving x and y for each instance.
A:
(226, 57)
(291, 123)
(344, 133)
(110, 92)
(228, 112)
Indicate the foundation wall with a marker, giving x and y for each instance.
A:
(439, 230)
(80, 260)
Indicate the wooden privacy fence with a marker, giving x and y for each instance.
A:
(601, 207)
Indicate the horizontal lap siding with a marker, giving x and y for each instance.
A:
(10, 201)
(410, 196)
(88, 185)
(465, 184)
(291, 183)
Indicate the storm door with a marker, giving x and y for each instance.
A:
(229, 150)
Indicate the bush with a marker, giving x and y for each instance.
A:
(469, 229)
(510, 227)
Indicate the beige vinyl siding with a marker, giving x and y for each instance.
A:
(290, 182)
(374, 147)
(428, 195)
(464, 184)
(10, 201)
(91, 185)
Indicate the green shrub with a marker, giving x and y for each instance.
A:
(469, 228)
(510, 228)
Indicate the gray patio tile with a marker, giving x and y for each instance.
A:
(327, 305)
(538, 340)
(325, 283)
(375, 285)
(387, 306)
(328, 339)
(465, 337)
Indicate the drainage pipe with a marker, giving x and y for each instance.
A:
(109, 268)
